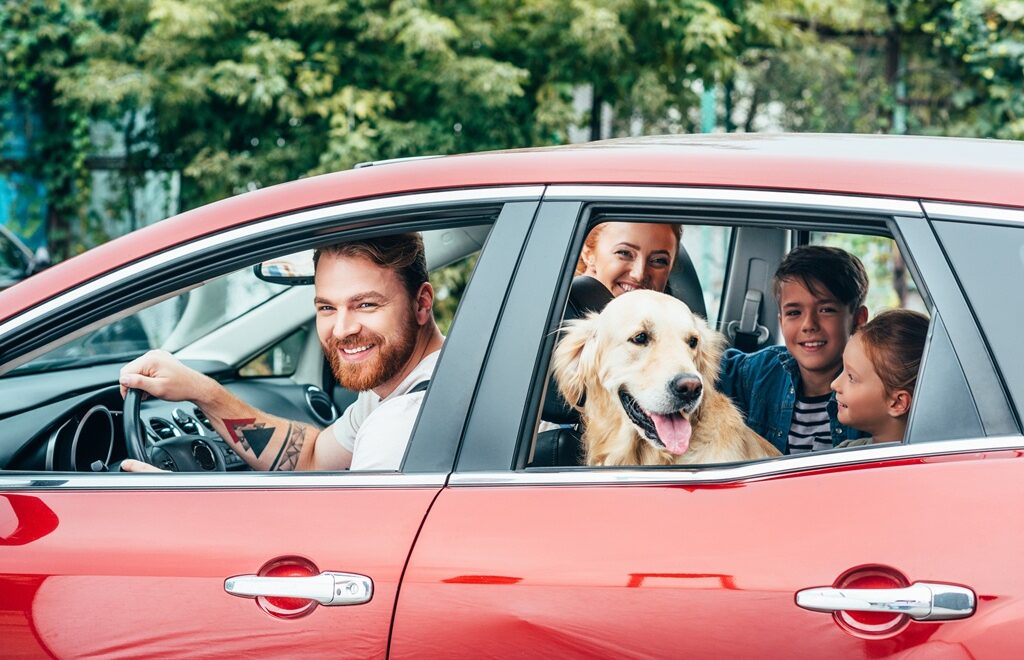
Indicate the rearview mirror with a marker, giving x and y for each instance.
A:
(290, 269)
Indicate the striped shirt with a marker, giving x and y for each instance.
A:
(811, 430)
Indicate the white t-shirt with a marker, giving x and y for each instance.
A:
(376, 431)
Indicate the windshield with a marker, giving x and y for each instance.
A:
(171, 324)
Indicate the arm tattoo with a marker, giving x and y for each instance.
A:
(288, 457)
(248, 435)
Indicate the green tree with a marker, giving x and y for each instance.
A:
(241, 94)
(37, 40)
(934, 67)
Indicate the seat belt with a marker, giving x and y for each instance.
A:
(747, 334)
(419, 387)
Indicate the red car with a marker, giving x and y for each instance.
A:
(485, 543)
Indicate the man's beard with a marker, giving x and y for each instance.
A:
(392, 355)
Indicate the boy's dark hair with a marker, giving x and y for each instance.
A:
(814, 266)
(402, 253)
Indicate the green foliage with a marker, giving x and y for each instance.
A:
(961, 65)
(37, 39)
(241, 94)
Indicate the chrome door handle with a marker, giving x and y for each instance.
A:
(921, 601)
(327, 588)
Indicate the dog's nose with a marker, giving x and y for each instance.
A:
(686, 387)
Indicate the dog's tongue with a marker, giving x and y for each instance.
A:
(674, 431)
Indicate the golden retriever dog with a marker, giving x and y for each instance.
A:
(647, 366)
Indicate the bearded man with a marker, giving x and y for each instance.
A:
(374, 317)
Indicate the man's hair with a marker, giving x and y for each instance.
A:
(815, 266)
(402, 253)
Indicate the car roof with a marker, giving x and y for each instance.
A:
(946, 169)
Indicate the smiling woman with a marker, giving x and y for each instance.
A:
(625, 256)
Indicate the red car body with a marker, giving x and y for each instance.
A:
(471, 561)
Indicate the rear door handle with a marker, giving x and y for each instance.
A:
(921, 601)
(328, 588)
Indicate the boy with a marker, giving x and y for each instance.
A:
(784, 392)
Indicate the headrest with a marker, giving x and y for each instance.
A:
(585, 295)
(683, 283)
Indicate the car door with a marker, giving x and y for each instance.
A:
(118, 565)
(664, 562)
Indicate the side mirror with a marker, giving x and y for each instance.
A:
(292, 269)
(39, 261)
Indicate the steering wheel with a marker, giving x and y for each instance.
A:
(183, 453)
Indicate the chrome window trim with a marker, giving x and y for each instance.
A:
(945, 211)
(510, 193)
(768, 468)
(13, 481)
(736, 196)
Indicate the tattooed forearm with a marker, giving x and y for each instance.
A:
(249, 436)
(288, 456)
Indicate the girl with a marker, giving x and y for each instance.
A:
(880, 364)
(625, 256)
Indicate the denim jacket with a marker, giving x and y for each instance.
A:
(763, 385)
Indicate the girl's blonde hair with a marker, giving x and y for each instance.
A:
(894, 342)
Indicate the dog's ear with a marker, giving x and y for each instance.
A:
(709, 357)
(574, 358)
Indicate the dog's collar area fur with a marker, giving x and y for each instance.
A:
(639, 416)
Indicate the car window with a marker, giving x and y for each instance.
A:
(170, 324)
(281, 359)
(261, 342)
(891, 287)
(708, 248)
(891, 282)
(989, 261)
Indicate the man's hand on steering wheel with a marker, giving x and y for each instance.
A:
(160, 374)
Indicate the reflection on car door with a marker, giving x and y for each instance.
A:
(585, 568)
(132, 573)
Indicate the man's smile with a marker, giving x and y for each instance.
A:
(356, 354)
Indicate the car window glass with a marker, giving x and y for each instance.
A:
(170, 324)
(223, 328)
(943, 406)
(449, 284)
(891, 286)
(708, 248)
(989, 261)
(281, 359)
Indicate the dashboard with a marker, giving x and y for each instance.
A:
(72, 421)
